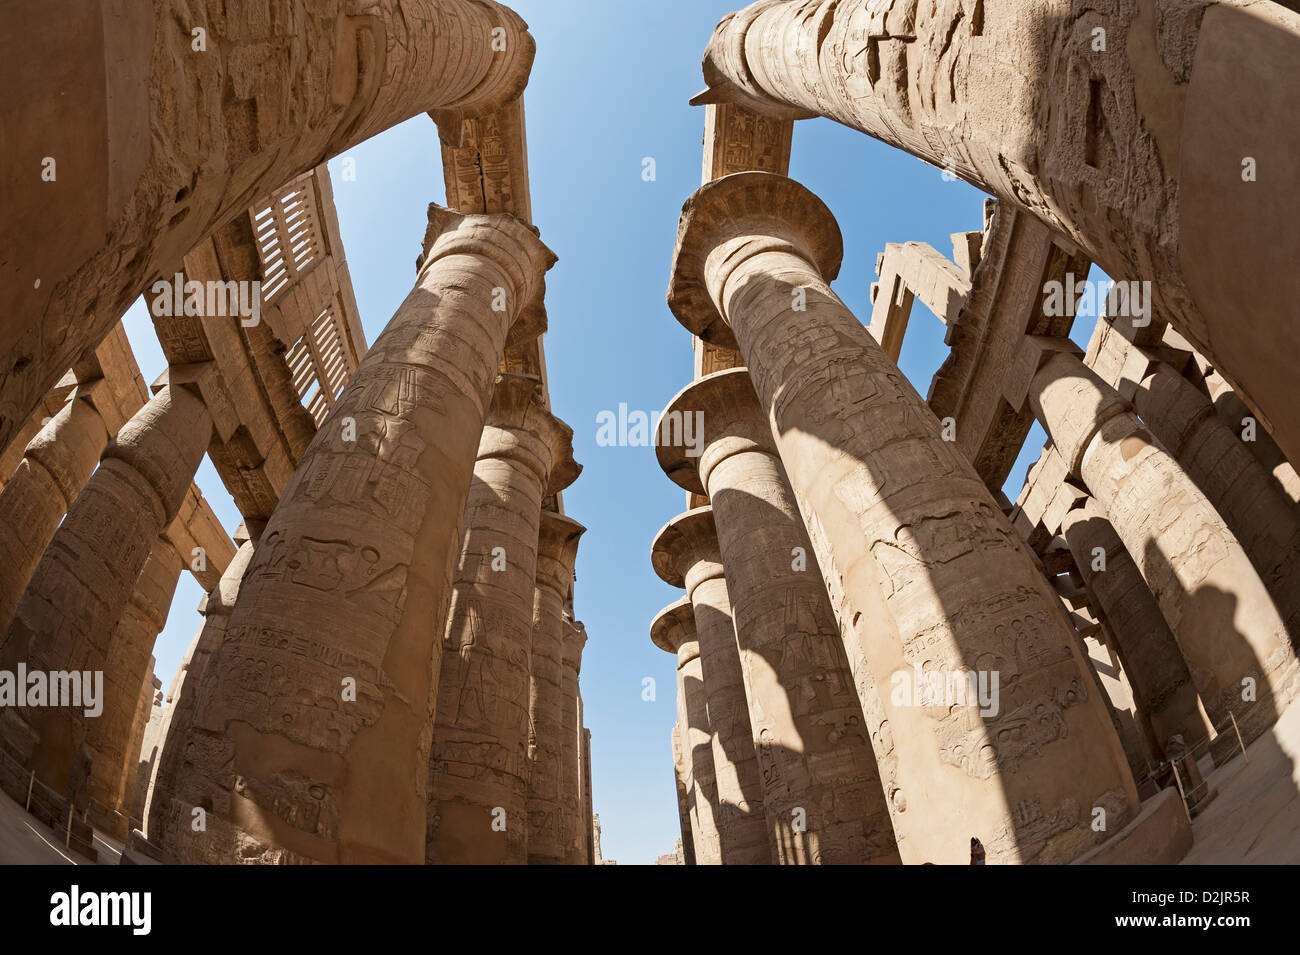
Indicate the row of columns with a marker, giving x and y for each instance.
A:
(821, 439)
(420, 498)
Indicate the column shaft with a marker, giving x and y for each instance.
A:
(130, 649)
(571, 744)
(54, 468)
(1157, 672)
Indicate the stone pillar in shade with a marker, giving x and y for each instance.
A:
(478, 770)
(685, 554)
(682, 778)
(351, 576)
(557, 549)
(174, 761)
(1241, 489)
(922, 567)
(1129, 162)
(673, 631)
(82, 585)
(1213, 600)
(1152, 660)
(108, 738)
(54, 468)
(139, 764)
(584, 823)
(571, 822)
(821, 787)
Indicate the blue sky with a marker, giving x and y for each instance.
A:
(609, 88)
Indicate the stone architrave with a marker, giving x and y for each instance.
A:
(1123, 127)
(1231, 635)
(182, 696)
(821, 787)
(685, 554)
(557, 550)
(1152, 660)
(108, 738)
(479, 768)
(571, 821)
(673, 631)
(55, 467)
(84, 582)
(923, 569)
(172, 133)
(311, 736)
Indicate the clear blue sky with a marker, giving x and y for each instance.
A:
(609, 88)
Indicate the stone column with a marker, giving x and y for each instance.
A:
(673, 631)
(173, 760)
(1162, 686)
(478, 770)
(313, 732)
(571, 823)
(1225, 623)
(685, 554)
(584, 822)
(821, 789)
(684, 783)
(1246, 495)
(84, 581)
(55, 467)
(166, 143)
(1129, 162)
(108, 738)
(557, 549)
(923, 570)
(140, 761)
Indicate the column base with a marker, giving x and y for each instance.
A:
(1160, 835)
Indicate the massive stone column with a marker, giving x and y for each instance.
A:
(182, 696)
(1157, 138)
(312, 733)
(673, 631)
(557, 549)
(923, 570)
(571, 822)
(1213, 600)
(1240, 488)
(478, 770)
(140, 130)
(83, 583)
(108, 738)
(821, 789)
(136, 775)
(684, 784)
(685, 554)
(1157, 672)
(55, 467)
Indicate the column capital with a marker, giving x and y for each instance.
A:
(557, 550)
(765, 212)
(673, 631)
(1070, 400)
(685, 551)
(520, 427)
(573, 639)
(510, 243)
(725, 418)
